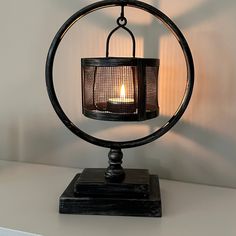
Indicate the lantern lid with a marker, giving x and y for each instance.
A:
(119, 61)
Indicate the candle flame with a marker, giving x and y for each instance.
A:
(122, 92)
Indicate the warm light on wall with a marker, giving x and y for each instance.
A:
(172, 75)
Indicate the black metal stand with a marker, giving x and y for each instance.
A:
(90, 193)
(115, 191)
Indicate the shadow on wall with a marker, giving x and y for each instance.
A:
(204, 11)
(42, 147)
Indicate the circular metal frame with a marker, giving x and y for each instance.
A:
(169, 24)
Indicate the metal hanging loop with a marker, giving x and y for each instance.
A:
(121, 22)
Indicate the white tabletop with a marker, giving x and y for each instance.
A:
(29, 196)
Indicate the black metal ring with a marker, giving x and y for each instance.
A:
(169, 24)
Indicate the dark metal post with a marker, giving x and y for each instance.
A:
(115, 172)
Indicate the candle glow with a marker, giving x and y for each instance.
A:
(121, 104)
(122, 99)
(122, 91)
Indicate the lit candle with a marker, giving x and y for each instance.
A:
(121, 104)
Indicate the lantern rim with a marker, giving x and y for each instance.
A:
(118, 117)
(119, 61)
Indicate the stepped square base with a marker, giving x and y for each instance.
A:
(116, 203)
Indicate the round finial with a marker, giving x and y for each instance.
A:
(115, 172)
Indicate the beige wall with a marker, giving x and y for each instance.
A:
(201, 148)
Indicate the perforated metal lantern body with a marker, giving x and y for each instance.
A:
(120, 89)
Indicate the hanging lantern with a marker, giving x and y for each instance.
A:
(119, 88)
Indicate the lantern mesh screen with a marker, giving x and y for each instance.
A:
(120, 89)
(152, 88)
(114, 84)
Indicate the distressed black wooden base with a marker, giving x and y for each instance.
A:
(92, 183)
(150, 206)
